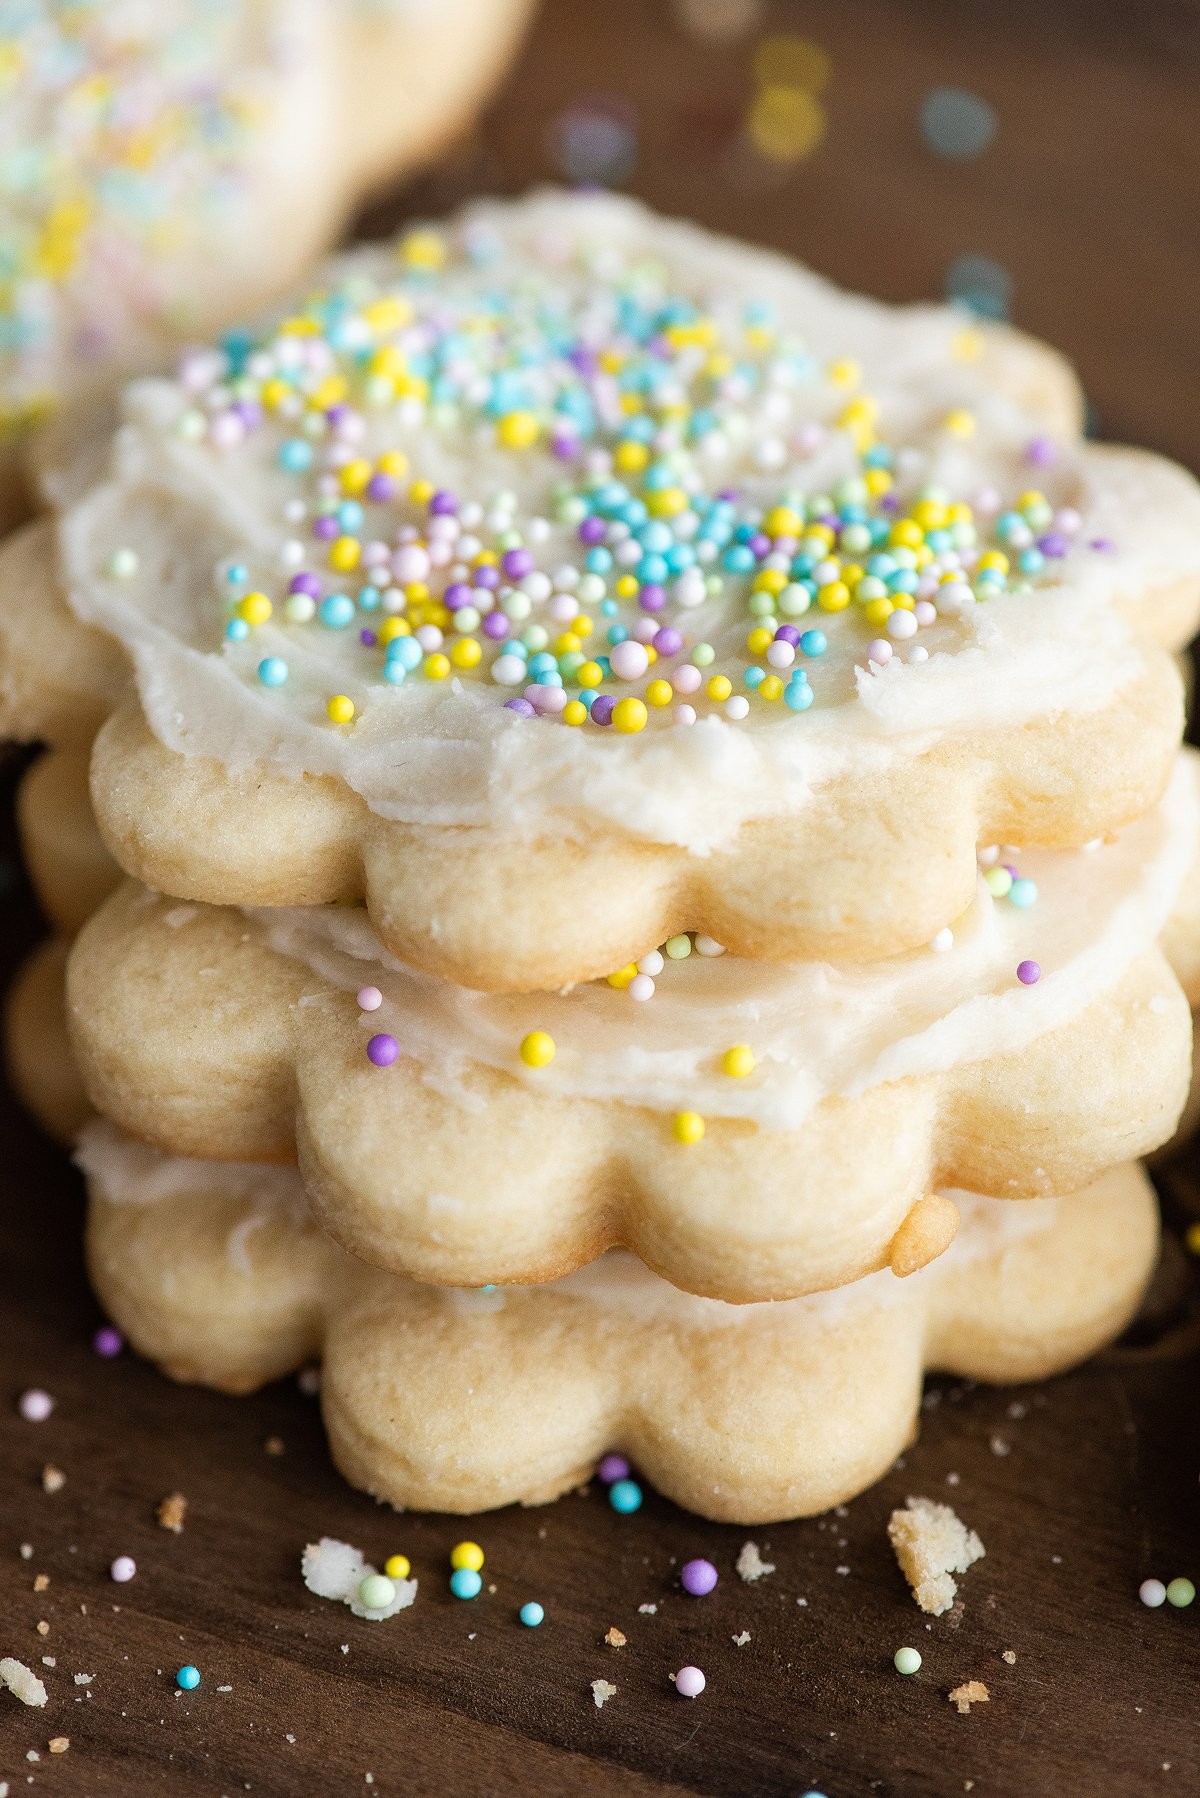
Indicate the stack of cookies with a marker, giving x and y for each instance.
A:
(656, 889)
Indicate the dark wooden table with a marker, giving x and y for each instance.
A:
(1080, 1489)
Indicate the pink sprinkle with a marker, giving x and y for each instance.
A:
(369, 998)
(35, 1405)
(879, 651)
(689, 1682)
(123, 1569)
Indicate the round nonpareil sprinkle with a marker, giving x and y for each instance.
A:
(625, 1496)
(1028, 973)
(397, 1567)
(612, 1468)
(35, 1405)
(688, 1126)
(1180, 1593)
(689, 1682)
(188, 1678)
(467, 1554)
(383, 1050)
(531, 1614)
(537, 1049)
(465, 1583)
(376, 1591)
(698, 1577)
(1152, 1593)
(123, 1569)
(907, 1660)
(108, 1342)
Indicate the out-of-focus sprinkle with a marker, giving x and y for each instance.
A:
(594, 142)
(957, 124)
(981, 285)
(719, 21)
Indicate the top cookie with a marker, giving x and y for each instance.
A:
(164, 166)
(565, 578)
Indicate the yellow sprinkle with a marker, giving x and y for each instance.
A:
(738, 1061)
(688, 1126)
(421, 492)
(628, 586)
(833, 598)
(467, 653)
(537, 1049)
(395, 463)
(770, 580)
(574, 712)
(518, 430)
(719, 687)
(878, 481)
(355, 475)
(582, 625)
(760, 640)
(968, 345)
(960, 423)
(623, 976)
(780, 521)
(629, 716)
(589, 674)
(878, 611)
(631, 457)
(785, 124)
(397, 1566)
(466, 1554)
(340, 709)
(423, 250)
(845, 373)
(435, 667)
(344, 554)
(255, 608)
(660, 692)
(394, 627)
(771, 688)
(1192, 1239)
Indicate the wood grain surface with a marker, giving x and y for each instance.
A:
(1080, 1489)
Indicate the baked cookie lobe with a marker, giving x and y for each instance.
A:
(699, 1110)
(562, 578)
(169, 168)
(463, 1400)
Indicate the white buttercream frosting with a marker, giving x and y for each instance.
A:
(196, 492)
(817, 1029)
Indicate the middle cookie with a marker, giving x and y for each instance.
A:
(751, 1130)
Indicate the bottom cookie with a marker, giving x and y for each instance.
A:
(451, 1400)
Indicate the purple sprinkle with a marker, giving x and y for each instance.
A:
(304, 582)
(1028, 973)
(487, 576)
(1054, 544)
(583, 359)
(698, 1577)
(602, 709)
(516, 563)
(591, 530)
(667, 641)
(1041, 452)
(1013, 873)
(368, 639)
(383, 1050)
(728, 494)
(613, 1468)
(382, 487)
(760, 544)
(564, 447)
(443, 504)
(1103, 545)
(337, 414)
(521, 707)
(108, 1342)
(326, 527)
(652, 597)
(495, 625)
(889, 503)
(457, 594)
(250, 413)
(787, 633)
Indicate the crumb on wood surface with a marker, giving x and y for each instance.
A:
(616, 1638)
(171, 1512)
(602, 1691)
(932, 1544)
(972, 1691)
(750, 1564)
(53, 1478)
(22, 1681)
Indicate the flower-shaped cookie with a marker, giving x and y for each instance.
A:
(167, 167)
(593, 579)
(464, 1138)
(460, 1401)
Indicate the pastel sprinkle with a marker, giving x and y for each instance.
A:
(123, 1569)
(531, 1614)
(1028, 973)
(465, 1583)
(383, 1050)
(35, 1405)
(1152, 1593)
(690, 1682)
(188, 1678)
(907, 1661)
(1180, 1593)
(108, 1342)
(625, 1496)
(537, 1049)
(611, 1468)
(467, 1554)
(698, 1577)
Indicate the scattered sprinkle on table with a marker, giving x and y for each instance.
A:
(531, 1614)
(123, 1569)
(35, 1405)
(907, 1660)
(188, 1678)
(698, 1577)
(689, 1682)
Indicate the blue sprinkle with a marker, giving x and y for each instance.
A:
(188, 1678)
(625, 1496)
(337, 611)
(465, 1583)
(531, 1614)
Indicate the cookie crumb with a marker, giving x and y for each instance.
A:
(750, 1564)
(171, 1512)
(647, 1610)
(602, 1691)
(43, 1628)
(59, 1744)
(274, 1445)
(53, 1478)
(931, 1543)
(41, 1581)
(616, 1638)
(999, 1446)
(22, 1681)
(972, 1692)
(741, 1641)
(1009, 1656)
(84, 1679)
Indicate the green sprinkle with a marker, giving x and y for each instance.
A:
(1180, 1593)
(907, 1660)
